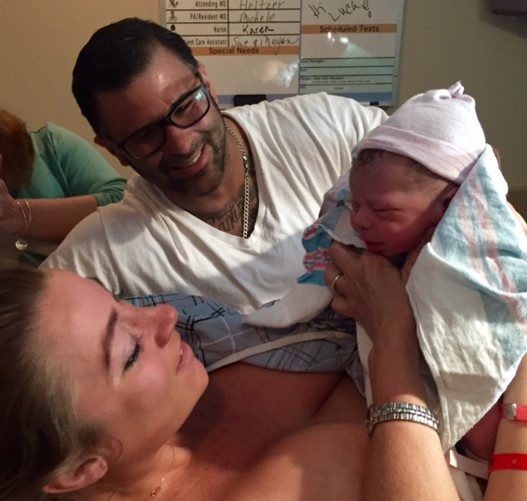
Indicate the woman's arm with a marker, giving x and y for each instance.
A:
(49, 220)
(70, 180)
(77, 166)
(511, 485)
(405, 459)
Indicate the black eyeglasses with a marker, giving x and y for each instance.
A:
(184, 113)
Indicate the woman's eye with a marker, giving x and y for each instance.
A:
(134, 357)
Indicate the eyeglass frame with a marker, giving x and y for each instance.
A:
(168, 121)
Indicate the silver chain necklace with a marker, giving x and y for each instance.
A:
(246, 193)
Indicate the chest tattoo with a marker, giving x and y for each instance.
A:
(230, 218)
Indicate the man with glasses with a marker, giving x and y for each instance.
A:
(220, 198)
(217, 208)
(184, 113)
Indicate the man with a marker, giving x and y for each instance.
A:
(221, 198)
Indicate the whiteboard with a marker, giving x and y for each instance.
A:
(276, 48)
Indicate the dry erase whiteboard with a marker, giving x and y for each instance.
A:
(285, 47)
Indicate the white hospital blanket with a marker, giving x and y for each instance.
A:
(468, 290)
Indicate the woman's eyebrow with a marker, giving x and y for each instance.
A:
(117, 297)
(96, 280)
(107, 339)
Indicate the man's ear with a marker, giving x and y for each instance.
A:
(89, 472)
(104, 143)
(203, 72)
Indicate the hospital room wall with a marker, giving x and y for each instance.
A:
(442, 42)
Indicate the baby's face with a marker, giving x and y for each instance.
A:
(389, 213)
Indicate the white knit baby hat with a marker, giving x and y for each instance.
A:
(439, 129)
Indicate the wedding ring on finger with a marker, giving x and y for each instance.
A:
(333, 285)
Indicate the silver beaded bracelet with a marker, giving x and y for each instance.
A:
(400, 411)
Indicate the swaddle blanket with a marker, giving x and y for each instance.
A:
(310, 295)
(468, 290)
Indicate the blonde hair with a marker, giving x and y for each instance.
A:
(40, 436)
(18, 153)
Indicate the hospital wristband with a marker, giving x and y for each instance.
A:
(400, 411)
(510, 461)
(513, 412)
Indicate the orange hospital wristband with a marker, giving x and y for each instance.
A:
(511, 461)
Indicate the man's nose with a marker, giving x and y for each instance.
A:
(178, 141)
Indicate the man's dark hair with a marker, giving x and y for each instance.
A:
(115, 55)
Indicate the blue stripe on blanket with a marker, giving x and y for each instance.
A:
(491, 258)
(469, 292)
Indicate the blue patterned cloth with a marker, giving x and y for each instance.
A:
(218, 336)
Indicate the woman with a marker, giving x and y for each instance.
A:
(96, 394)
(49, 180)
(405, 460)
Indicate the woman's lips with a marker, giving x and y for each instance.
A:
(185, 356)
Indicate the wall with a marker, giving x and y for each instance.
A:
(451, 40)
(39, 43)
(443, 41)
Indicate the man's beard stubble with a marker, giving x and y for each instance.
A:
(214, 170)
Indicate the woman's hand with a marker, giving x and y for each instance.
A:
(371, 290)
(11, 219)
(517, 389)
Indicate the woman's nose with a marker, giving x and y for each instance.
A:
(165, 318)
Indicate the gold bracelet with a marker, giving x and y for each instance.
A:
(21, 243)
(30, 215)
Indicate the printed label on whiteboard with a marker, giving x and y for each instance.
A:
(223, 27)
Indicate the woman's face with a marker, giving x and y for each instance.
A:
(132, 373)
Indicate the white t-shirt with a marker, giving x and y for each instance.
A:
(147, 245)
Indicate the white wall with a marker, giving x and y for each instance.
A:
(449, 40)
(39, 43)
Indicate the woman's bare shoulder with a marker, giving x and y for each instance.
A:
(324, 459)
(276, 435)
(321, 461)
